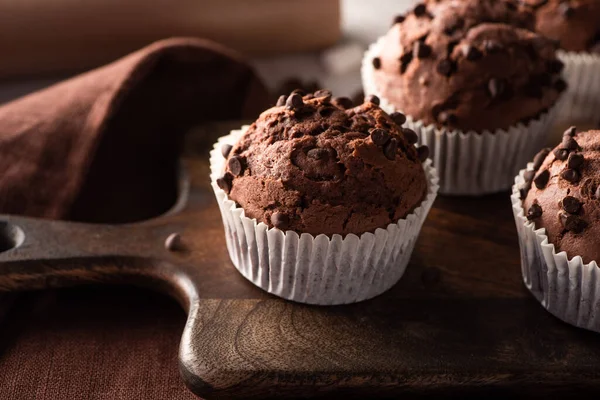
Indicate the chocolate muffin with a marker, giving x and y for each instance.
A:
(468, 65)
(316, 164)
(575, 24)
(562, 194)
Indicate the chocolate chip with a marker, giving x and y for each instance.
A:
(390, 149)
(560, 85)
(318, 154)
(524, 189)
(421, 50)
(376, 62)
(535, 211)
(423, 153)
(379, 136)
(445, 67)
(405, 59)
(496, 87)
(174, 242)
(323, 94)
(372, 99)
(294, 102)
(570, 175)
(225, 182)
(236, 165)
(539, 158)
(420, 10)
(571, 204)
(471, 53)
(309, 96)
(398, 118)
(410, 135)
(226, 149)
(528, 176)
(569, 143)
(561, 154)
(280, 220)
(447, 118)
(541, 180)
(575, 160)
(301, 92)
(450, 47)
(398, 19)
(455, 25)
(343, 102)
(572, 223)
(555, 66)
(566, 10)
(492, 46)
(572, 131)
(281, 100)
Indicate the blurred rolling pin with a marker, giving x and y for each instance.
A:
(47, 36)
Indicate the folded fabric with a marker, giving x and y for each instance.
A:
(103, 146)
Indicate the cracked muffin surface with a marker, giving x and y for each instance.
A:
(316, 164)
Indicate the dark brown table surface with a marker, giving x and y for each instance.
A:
(460, 322)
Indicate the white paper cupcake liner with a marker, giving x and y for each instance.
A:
(318, 270)
(569, 289)
(582, 99)
(470, 163)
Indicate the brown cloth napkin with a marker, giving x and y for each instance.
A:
(104, 144)
(104, 147)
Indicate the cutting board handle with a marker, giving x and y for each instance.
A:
(36, 253)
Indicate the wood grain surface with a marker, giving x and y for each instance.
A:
(459, 323)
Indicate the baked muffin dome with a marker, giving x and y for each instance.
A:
(317, 165)
(575, 24)
(467, 64)
(562, 194)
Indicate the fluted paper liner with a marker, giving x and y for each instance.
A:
(569, 289)
(317, 270)
(470, 163)
(582, 99)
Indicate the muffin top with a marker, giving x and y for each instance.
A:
(562, 194)
(575, 24)
(464, 64)
(317, 165)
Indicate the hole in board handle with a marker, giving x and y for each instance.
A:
(11, 236)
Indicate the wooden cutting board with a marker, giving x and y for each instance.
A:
(460, 322)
